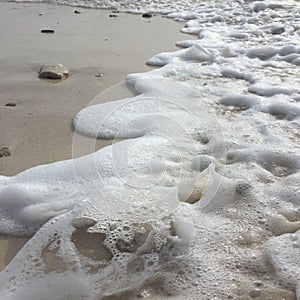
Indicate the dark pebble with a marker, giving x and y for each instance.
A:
(113, 15)
(147, 15)
(47, 31)
(277, 30)
(5, 152)
(11, 104)
(77, 12)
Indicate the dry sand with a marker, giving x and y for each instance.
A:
(38, 129)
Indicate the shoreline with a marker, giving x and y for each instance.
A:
(99, 52)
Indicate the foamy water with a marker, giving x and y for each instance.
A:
(133, 6)
(200, 199)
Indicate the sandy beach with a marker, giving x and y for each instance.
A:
(99, 52)
(198, 195)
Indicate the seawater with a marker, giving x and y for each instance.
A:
(198, 197)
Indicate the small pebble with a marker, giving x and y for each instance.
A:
(57, 71)
(113, 15)
(5, 152)
(147, 15)
(77, 12)
(255, 293)
(99, 75)
(47, 31)
(258, 283)
(11, 104)
(277, 30)
(83, 222)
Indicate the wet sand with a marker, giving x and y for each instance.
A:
(97, 49)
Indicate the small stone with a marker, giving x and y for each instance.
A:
(5, 152)
(83, 222)
(147, 15)
(57, 71)
(255, 293)
(258, 283)
(77, 12)
(11, 104)
(47, 31)
(40, 14)
(99, 75)
(113, 15)
(115, 11)
(277, 29)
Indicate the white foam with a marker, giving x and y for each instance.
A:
(283, 252)
(232, 73)
(196, 53)
(265, 90)
(241, 101)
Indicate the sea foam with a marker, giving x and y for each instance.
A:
(198, 196)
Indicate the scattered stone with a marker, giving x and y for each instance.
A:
(57, 71)
(113, 15)
(277, 29)
(47, 31)
(258, 283)
(77, 12)
(115, 11)
(106, 39)
(40, 14)
(5, 152)
(147, 15)
(99, 75)
(255, 293)
(83, 222)
(10, 104)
